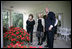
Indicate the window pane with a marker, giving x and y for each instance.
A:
(5, 14)
(5, 18)
(18, 20)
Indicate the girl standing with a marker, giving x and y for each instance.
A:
(30, 25)
(40, 28)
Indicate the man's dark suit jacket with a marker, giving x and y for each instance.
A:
(49, 20)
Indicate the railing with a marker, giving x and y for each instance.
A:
(64, 32)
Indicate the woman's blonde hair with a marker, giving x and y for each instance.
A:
(38, 14)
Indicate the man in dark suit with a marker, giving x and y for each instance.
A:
(49, 27)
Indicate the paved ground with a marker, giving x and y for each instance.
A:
(57, 43)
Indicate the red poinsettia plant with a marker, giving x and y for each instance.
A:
(16, 35)
(18, 38)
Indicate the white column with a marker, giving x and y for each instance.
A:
(25, 17)
(1, 27)
(10, 18)
(23, 21)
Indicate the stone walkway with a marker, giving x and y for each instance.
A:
(57, 43)
(35, 41)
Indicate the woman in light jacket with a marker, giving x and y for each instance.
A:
(40, 28)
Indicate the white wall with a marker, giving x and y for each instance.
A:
(1, 28)
(27, 7)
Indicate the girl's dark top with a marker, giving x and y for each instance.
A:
(40, 27)
(30, 25)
